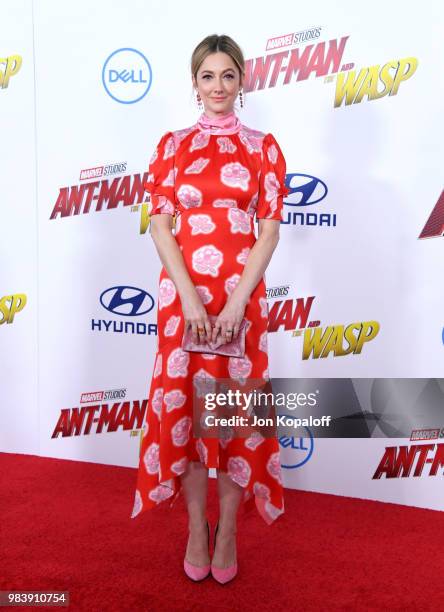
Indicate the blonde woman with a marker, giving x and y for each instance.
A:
(215, 177)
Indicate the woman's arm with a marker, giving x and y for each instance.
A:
(257, 262)
(171, 257)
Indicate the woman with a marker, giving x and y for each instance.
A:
(214, 177)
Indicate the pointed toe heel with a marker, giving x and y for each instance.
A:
(197, 572)
(224, 575)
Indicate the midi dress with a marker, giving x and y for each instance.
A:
(215, 178)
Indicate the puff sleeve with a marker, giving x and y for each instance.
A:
(272, 189)
(161, 177)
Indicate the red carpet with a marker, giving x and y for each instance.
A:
(66, 526)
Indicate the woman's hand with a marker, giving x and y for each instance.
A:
(196, 316)
(230, 318)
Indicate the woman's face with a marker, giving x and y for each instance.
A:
(218, 77)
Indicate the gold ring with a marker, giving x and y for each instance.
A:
(200, 329)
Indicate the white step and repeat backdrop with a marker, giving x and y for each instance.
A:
(352, 92)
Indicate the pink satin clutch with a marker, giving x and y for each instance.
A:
(234, 348)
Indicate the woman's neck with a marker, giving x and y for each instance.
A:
(223, 124)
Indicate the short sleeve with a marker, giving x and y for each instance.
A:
(272, 189)
(161, 177)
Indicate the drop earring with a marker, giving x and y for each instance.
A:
(241, 98)
(199, 102)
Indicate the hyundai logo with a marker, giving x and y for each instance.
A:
(127, 301)
(126, 76)
(305, 190)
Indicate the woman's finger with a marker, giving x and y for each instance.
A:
(236, 330)
(201, 331)
(208, 330)
(194, 333)
(216, 330)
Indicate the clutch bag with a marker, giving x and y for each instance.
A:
(234, 348)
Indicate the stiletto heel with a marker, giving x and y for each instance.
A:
(223, 574)
(197, 572)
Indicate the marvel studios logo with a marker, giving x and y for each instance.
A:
(427, 434)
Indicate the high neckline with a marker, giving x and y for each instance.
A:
(229, 123)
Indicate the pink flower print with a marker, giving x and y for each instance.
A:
(252, 140)
(171, 325)
(154, 156)
(239, 367)
(252, 205)
(177, 363)
(156, 401)
(243, 256)
(174, 399)
(137, 504)
(169, 181)
(226, 435)
(274, 466)
(272, 153)
(239, 470)
(225, 203)
(197, 166)
(235, 175)
(231, 283)
(253, 441)
(272, 186)
(182, 134)
(264, 307)
(169, 148)
(158, 367)
(203, 382)
(272, 511)
(164, 205)
(266, 374)
(205, 294)
(151, 458)
(179, 467)
(207, 260)
(160, 493)
(201, 224)
(263, 345)
(261, 490)
(189, 196)
(240, 221)
(226, 145)
(180, 432)
(200, 141)
(202, 451)
(167, 293)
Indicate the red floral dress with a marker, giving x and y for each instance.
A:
(214, 183)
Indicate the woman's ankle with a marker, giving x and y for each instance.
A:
(198, 525)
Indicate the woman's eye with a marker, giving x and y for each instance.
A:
(230, 76)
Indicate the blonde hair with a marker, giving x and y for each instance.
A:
(213, 44)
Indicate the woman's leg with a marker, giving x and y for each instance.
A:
(230, 496)
(195, 487)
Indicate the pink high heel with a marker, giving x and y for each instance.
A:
(223, 574)
(197, 572)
